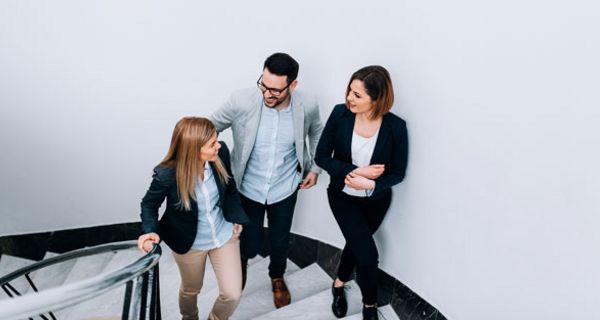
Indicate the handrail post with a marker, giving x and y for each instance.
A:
(127, 300)
(136, 297)
(154, 294)
(7, 286)
(6, 290)
(144, 296)
(157, 290)
(30, 282)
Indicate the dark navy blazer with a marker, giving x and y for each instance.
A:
(177, 227)
(334, 151)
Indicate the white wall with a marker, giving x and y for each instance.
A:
(498, 215)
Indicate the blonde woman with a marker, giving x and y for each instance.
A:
(203, 215)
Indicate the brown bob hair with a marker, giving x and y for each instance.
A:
(378, 84)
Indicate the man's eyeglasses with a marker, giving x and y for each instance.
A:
(273, 91)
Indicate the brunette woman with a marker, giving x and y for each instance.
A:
(364, 149)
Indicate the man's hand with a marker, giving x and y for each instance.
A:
(145, 241)
(371, 172)
(357, 182)
(309, 181)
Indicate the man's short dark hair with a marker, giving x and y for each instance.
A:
(282, 64)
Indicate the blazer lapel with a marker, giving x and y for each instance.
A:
(381, 142)
(252, 122)
(347, 131)
(298, 119)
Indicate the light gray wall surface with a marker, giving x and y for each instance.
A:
(498, 216)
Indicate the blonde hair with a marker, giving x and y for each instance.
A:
(189, 136)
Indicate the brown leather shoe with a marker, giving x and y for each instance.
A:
(281, 294)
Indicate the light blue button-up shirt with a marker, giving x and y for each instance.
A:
(271, 173)
(213, 230)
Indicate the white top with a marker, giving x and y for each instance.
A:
(362, 151)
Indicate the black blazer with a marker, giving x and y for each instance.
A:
(177, 227)
(334, 151)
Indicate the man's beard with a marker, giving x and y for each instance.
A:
(277, 101)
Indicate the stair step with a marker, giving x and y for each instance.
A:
(85, 268)
(106, 305)
(385, 313)
(9, 264)
(110, 303)
(302, 284)
(53, 275)
(317, 306)
(170, 281)
(258, 281)
(89, 266)
(258, 275)
(255, 260)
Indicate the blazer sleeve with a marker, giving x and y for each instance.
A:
(151, 202)
(232, 204)
(225, 115)
(324, 155)
(395, 171)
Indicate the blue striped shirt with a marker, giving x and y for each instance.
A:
(271, 173)
(213, 230)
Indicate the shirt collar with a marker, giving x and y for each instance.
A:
(207, 170)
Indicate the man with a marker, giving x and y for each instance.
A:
(271, 159)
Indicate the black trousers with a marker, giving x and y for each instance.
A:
(358, 219)
(279, 216)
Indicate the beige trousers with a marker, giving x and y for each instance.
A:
(226, 264)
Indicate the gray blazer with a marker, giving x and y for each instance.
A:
(241, 112)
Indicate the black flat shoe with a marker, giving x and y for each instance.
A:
(340, 304)
(370, 313)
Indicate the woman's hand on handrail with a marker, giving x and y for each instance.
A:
(145, 241)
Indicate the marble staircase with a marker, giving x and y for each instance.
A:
(309, 287)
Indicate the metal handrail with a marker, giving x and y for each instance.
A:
(83, 252)
(37, 303)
